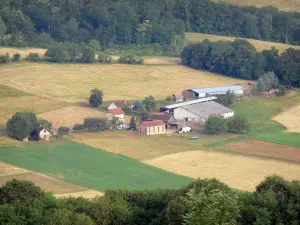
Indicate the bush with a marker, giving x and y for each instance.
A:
(33, 57)
(88, 55)
(96, 124)
(78, 127)
(281, 91)
(96, 97)
(45, 123)
(95, 45)
(5, 58)
(103, 58)
(63, 131)
(265, 83)
(227, 99)
(131, 59)
(238, 124)
(215, 125)
(16, 57)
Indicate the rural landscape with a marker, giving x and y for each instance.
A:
(135, 112)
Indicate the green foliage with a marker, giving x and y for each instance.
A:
(265, 83)
(16, 57)
(215, 125)
(96, 97)
(22, 125)
(227, 99)
(58, 53)
(96, 124)
(3, 28)
(5, 58)
(33, 57)
(104, 58)
(63, 131)
(88, 55)
(115, 123)
(149, 103)
(45, 123)
(281, 91)
(131, 59)
(238, 124)
(95, 45)
(141, 111)
(78, 127)
(132, 125)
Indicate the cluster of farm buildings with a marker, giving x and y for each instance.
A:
(191, 108)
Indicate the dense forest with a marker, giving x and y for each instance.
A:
(240, 59)
(208, 201)
(123, 22)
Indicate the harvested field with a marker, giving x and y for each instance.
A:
(84, 194)
(259, 45)
(22, 51)
(73, 82)
(263, 149)
(290, 119)
(162, 60)
(69, 116)
(8, 170)
(239, 172)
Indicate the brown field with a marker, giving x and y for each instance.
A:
(22, 51)
(73, 82)
(141, 147)
(84, 194)
(162, 60)
(8, 170)
(263, 149)
(237, 171)
(290, 119)
(259, 45)
(69, 116)
(284, 5)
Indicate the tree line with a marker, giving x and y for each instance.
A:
(207, 201)
(125, 22)
(240, 59)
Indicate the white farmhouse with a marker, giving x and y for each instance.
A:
(44, 134)
(118, 113)
(201, 111)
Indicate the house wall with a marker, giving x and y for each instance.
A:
(239, 92)
(228, 114)
(44, 135)
(161, 129)
(182, 114)
(112, 106)
(109, 116)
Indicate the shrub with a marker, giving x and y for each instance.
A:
(131, 59)
(5, 58)
(16, 57)
(281, 91)
(63, 131)
(96, 124)
(88, 55)
(45, 123)
(215, 125)
(227, 99)
(33, 57)
(58, 53)
(238, 124)
(265, 83)
(149, 103)
(96, 97)
(103, 58)
(78, 127)
(95, 45)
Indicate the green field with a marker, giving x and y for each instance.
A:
(84, 165)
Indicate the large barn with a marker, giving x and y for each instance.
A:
(215, 91)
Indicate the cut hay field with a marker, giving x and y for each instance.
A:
(141, 147)
(22, 51)
(259, 45)
(80, 164)
(69, 116)
(73, 82)
(284, 5)
(240, 172)
(290, 119)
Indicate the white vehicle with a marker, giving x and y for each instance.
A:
(184, 130)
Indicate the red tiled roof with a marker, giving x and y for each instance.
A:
(116, 111)
(158, 116)
(152, 123)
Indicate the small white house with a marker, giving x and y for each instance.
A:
(118, 113)
(118, 104)
(201, 111)
(44, 134)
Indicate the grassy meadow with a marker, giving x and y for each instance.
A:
(84, 165)
(259, 45)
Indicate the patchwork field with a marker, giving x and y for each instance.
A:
(143, 147)
(290, 119)
(69, 116)
(73, 82)
(240, 172)
(90, 167)
(259, 45)
(285, 5)
(263, 149)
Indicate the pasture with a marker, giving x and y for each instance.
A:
(80, 164)
(240, 172)
(69, 116)
(290, 119)
(73, 82)
(259, 45)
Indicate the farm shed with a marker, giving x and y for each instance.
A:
(215, 91)
(118, 104)
(44, 134)
(170, 108)
(177, 97)
(152, 127)
(200, 112)
(159, 116)
(117, 112)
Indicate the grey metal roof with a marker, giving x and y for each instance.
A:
(207, 109)
(189, 103)
(217, 90)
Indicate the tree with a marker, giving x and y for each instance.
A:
(115, 123)
(2, 28)
(78, 127)
(16, 57)
(95, 124)
(215, 125)
(88, 55)
(63, 131)
(238, 124)
(149, 103)
(33, 57)
(227, 99)
(141, 111)
(58, 53)
(265, 83)
(132, 125)
(95, 45)
(45, 123)
(96, 97)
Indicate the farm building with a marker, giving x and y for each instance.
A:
(200, 112)
(170, 108)
(215, 91)
(177, 97)
(187, 95)
(159, 116)
(152, 127)
(44, 134)
(118, 113)
(118, 104)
